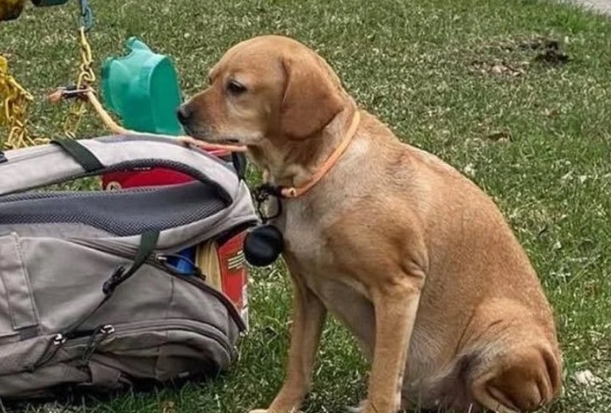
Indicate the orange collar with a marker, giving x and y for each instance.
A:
(294, 192)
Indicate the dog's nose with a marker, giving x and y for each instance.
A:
(183, 114)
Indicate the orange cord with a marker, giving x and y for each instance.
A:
(294, 192)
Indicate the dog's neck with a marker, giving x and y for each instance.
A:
(294, 163)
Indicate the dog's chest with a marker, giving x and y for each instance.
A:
(314, 262)
(304, 241)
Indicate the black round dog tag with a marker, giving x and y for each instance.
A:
(263, 245)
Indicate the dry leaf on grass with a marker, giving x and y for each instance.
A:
(586, 378)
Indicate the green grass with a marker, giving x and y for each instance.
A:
(447, 76)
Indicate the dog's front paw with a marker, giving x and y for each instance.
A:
(260, 411)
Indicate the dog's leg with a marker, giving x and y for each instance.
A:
(395, 306)
(307, 323)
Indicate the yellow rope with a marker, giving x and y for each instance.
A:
(14, 102)
(86, 78)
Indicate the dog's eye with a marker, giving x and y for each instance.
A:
(235, 88)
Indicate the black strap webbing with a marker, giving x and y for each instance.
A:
(148, 242)
(239, 164)
(80, 154)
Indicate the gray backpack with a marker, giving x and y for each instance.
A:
(89, 298)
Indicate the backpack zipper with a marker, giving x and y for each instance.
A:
(78, 338)
(205, 329)
(158, 261)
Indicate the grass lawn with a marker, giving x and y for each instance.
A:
(460, 78)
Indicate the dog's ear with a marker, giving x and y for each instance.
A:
(310, 99)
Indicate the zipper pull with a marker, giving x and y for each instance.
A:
(94, 341)
(59, 340)
(115, 278)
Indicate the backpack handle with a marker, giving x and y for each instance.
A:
(64, 160)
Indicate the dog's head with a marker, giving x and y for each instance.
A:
(268, 88)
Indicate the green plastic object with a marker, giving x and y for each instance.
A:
(142, 89)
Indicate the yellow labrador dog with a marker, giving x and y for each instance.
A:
(409, 254)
